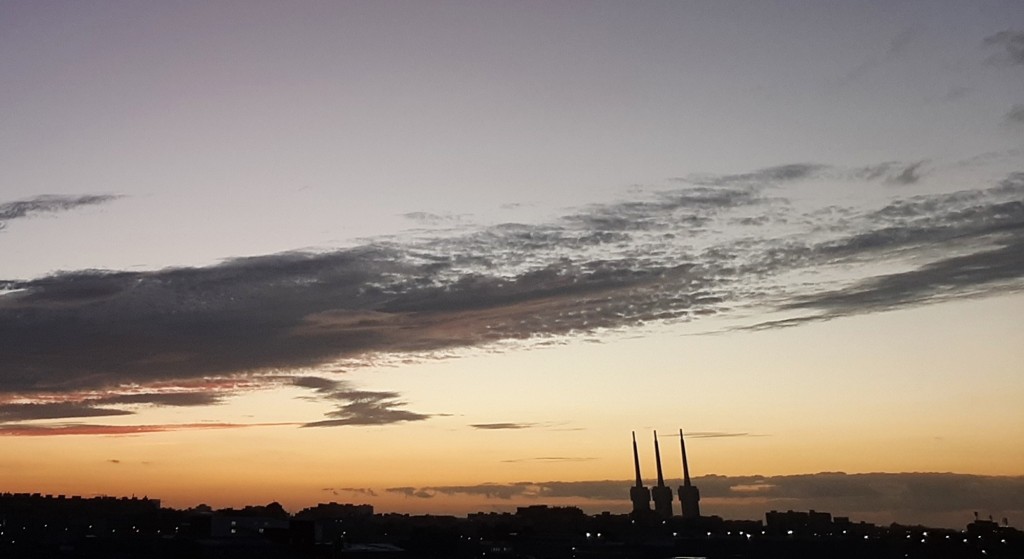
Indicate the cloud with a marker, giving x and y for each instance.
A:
(350, 490)
(49, 204)
(193, 336)
(318, 384)
(1011, 43)
(550, 459)
(1000, 268)
(432, 219)
(895, 49)
(411, 492)
(1015, 114)
(947, 497)
(28, 430)
(714, 435)
(359, 491)
(502, 426)
(908, 175)
(173, 399)
(368, 412)
(358, 407)
(779, 173)
(55, 410)
(891, 172)
(85, 404)
(488, 490)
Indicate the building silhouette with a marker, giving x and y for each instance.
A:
(689, 496)
(661, 493)
(640, 495)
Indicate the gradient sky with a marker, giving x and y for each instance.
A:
(445, 256)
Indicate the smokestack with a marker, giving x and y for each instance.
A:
(657, 459)
(689, 495)
(686, 465)
(636, 463)
(638, 494)
(662, 495)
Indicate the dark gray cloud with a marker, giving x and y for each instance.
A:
(502, 426)
(369, 411)
(49, 204)
(54, 410)
(174, 399)
(910, 174)
(944, 496)
(660, 257)
(890, 172)
(897, 46)
(951, 277)
(351, 490)
(1010, 44)
(69, 429)
(1015, 115)
(767, 175)
(874, 172)
(427, 218)
(358, 407)
(411, 492)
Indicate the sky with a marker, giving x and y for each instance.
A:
(445, 257)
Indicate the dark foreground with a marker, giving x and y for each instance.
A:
(35, 526)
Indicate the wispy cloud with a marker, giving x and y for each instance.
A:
(550, 459)
(1016, 114)
(1009, 52)
(48, 204)
(411, 492)
(1009, 45)
(714, 435)
(366, 491)
(760, 177)
(897, 46)
(173, 399)
(502, 426)
(30, 430)
(358, 407)
(841, 493)
(708, 245)
(55, 410)
(910, 174)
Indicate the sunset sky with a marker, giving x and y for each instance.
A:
(444, 256)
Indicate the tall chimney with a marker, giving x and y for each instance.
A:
(689, 496)
(662, 495)
(640, 495)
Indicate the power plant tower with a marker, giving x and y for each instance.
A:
(662, 494)
(640, 495)
(689, 496)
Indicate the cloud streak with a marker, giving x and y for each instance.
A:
(55, 410)
(950, 498)
(550, 459)
(49, 204)
(1010, 44)
(502, 426)
(710, 245)
(29, 430)
(357, 407)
